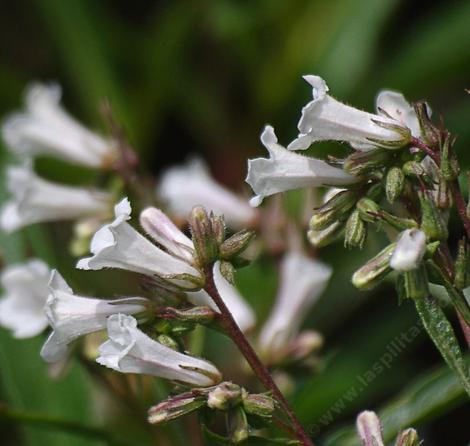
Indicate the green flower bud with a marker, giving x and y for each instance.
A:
(375, 270)
(175, 407)
(431, 223)
(368, 209)
(355, 232)
(200, 315)
(394, 184)
(326, 236)
(414, 169)
(168, 341)
(408, 437)
(450, 169)
(203, 235)
(361, 163)
(333, 210)
(236, 244)
(224, 396)
(444, 196)
(228, 271)
(416, 283)
(258, 404)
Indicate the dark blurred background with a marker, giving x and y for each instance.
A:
(205, 76)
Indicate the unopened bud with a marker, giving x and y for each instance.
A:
(175, 407)
(355, 232)
(304, 345)
(431, 221)
(375, 270)
(361, 163)
(204, 238)
(368, 209)
(200, 315)
(326, 236)
(449, 165)
(369, 429)
(258, 404)
(238, 426)
(224, 396)
(416, 284)
(333, 210)
(394, 184)
(409, 437)
(167, 341)
(228, 271)
(235, 244)
(218, 228)
(444, 195)
(414, 169)
(429, 132)
(461, 264)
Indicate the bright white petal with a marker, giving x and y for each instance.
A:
(369, 429)
(285, 170)
(410, 249)
(129, 350)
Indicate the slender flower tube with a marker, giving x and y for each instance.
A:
(129, 350)
(119, 245)
(409, 251)
(324, 118)
(303, 280)
(184, 187)
(242, 313)
(26, 290)
(36, 200)
(72, 316)
(45, 128)
(285, 171)
(369, 429)
(165, 233)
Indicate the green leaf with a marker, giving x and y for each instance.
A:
(442, 334)
(426, 398)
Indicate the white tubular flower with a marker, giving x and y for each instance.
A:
(128, 350)
(242, 313)
(46, 128)
(22, 305)
(119, 245)
(409, 252)
(285, 171)
(302, 282)
(325, 118)
(369, 429)
(72, 316)
(36, 200)
(184, 187)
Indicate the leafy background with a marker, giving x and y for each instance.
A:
(203, 77)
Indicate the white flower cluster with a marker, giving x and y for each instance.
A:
(326, 119)
(45, 128)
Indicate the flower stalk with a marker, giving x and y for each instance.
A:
(228, 323)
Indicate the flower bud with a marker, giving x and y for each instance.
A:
(375, 270)
(228, 271)
(361, 163)
(236, 244)
(428, 130)
(326, 236)
(368, 209)
(304, 345)
(200, 315)
(204, 238)
(394, 184)
(175, 407)
(333, 210)
(414, 169)
(369, 429)
(431, 223)
(238, 426)
(258, 404)
(356, 231)
(224, 396)
(409, 437)
(444, 195)
(450, 169)
(416, 284)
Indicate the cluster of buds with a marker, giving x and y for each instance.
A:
(369, 430)
(239, 406)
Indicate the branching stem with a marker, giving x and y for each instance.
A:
(232, 329)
